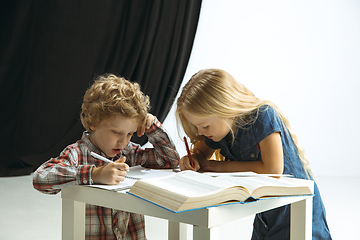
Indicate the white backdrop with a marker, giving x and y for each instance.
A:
(302, 55)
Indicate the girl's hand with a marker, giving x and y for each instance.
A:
(149, 120)
(211, 166)
(184, 164)
(111, 173)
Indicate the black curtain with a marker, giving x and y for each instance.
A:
(50, 51)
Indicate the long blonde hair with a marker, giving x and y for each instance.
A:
(214, 92)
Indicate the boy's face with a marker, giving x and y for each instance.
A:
(110, 136)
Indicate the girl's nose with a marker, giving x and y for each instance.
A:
(200, 132)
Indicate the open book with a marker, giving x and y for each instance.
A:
(190, 190)
(135, 173)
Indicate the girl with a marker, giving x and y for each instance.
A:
(219, 113)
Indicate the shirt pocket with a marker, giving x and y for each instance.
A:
(251, 153)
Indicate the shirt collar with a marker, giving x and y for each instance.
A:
(86, 140)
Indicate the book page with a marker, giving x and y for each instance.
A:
(252, 183)
(230, 174)
(243, 174)
(190, 184)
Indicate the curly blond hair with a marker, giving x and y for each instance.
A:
(111, 96)
(214, 92)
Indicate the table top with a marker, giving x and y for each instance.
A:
(205, 217)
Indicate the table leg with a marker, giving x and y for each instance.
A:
(73, 220)
(301, 220)
(201, 233)
(177, 231)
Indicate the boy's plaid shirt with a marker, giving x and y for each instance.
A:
(73, 167)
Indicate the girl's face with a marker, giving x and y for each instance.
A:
(215, 128)
(110, 136)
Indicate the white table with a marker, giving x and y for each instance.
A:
(205, 221)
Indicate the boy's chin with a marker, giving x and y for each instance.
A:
(116, 151)
(109, 154)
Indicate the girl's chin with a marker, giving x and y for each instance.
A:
(216, 139)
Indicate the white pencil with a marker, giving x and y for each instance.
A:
(95, 155)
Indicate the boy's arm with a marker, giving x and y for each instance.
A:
(162, 155)
(62, 172)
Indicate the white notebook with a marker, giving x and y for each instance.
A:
(135, 173)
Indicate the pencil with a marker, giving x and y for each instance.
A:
(97, 156)
(188, 152)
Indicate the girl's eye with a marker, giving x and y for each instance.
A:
(205, 127)
(116, 132)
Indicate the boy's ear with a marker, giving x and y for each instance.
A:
(92, 127)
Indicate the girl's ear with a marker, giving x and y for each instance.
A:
(92, 127)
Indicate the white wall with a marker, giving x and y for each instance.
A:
(302, 55)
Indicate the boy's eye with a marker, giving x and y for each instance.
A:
(116, 132)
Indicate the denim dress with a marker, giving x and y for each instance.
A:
(273, 224)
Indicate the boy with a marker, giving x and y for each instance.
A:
(112, 111)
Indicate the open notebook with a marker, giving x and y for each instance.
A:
(135, 173)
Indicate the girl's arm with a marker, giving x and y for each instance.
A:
(272, 159)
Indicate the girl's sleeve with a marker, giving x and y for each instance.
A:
(268, 122)
(162, 155)
(62, 172)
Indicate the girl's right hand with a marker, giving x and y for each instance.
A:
(184, 164)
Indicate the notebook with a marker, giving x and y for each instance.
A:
(135, 173)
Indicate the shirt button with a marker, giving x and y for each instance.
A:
(252, 155)
(117, 232)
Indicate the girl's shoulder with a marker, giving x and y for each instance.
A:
(267, 109)
(267, 121)
(267, 113)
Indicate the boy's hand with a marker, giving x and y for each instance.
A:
(111, 173)
(141, 129)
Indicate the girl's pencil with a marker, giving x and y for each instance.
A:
(188, 152)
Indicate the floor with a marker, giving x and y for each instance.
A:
(28, 214)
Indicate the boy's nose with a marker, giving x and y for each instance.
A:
(122, 141)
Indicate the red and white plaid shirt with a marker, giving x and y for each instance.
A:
(73, 167)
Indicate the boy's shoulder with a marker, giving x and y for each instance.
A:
(80, 145)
